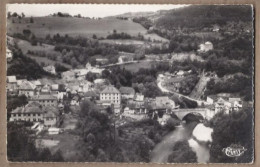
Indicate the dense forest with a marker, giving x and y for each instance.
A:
(200, 16)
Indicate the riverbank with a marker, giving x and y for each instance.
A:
(163, 149)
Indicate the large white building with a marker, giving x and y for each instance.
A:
(112, 94)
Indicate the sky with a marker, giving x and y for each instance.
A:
(86, 10)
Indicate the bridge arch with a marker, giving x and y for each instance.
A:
(193, 117)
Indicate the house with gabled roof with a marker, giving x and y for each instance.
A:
(46, 89)
(112, 94)
(125, 59)
(26, 88)
(68, 76)
(50, 69)
(11, 86)
(35, 112)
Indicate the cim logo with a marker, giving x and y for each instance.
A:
(234, 150)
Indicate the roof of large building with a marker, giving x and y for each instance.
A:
(29, 108)
(50, 111)
(26, 85)
(110, 90)
(36, 83)
(34, 107)
(55, 87)
(127, 90)
(43, 97)
(233, 99)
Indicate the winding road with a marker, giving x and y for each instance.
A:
(163, 89)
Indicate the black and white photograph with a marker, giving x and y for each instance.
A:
(130, 83)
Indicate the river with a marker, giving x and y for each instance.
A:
(163, 149)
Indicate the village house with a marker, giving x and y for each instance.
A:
(31, 112)
(135, 113)
(68, 76)
(112, 94)
(11, 86)
(46, 89)
(128, 111)
(26, 88)
(101, 61)
(127, 92)
(9, 55)
(207, 46)
(180, 73)
(175, 83)
(139, 97)
(38, 85)
(125, 59)
(236, 103)
(55, 88)
(100, 81)
(50, 69)
(224, 103)
(34, 112)
(44, 99)
(94, 70)
(51, 116)
(81, 73)
(215, 28)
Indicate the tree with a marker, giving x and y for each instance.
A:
(31, 20)
(90, 76)
(27, 32)
(14, 14)
(9, 15)
(86, 107)
(235, 128)
(23, 15)
(21, 147)
(182, 153)
(94, 36)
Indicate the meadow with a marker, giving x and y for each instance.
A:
(44, 49)
(134, 67)
(72, 26)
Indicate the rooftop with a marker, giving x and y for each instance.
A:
(11, 79)
(26, 85)
(43, 97)
(110, 90)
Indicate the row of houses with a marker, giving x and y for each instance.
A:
(224, 103)
(30, 88)
(80, 74)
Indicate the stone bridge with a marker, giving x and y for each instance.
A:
(206, 113)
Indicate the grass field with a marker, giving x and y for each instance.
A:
(155, 37)
(122, 42)
(48, 49)
(74, 26)
(134, 67)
